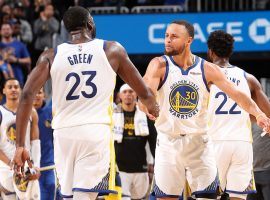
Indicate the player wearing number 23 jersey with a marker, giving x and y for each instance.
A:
(83, 73)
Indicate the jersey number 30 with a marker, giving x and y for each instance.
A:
(89, 83)
(219, 110)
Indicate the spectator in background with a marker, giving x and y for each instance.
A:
(261, 164)
(5, 17)
(6, 72)
(16, 28)
(6, 9)
(5, 67)
(17, 53)
(132, 131)
(26, 34)
(47, 179)
(44, 28)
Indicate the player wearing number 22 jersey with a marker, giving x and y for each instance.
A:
(229, 124)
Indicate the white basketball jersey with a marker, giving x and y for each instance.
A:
(8, 132)
(227, 121)
(82, 85)
(183, 99)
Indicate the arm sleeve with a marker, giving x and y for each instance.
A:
(36, 152)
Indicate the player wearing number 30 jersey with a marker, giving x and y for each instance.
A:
(180, 79)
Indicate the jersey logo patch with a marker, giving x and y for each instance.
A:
(11, 133)
(184, 99)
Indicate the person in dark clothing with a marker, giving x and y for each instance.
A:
(132, 131)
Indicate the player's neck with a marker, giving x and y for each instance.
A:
(12, 105)
(185, 60)
(128, 108)
(222, 62)
(80, 36)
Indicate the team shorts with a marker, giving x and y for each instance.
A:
(181, 158)
(134, 185)
(82, 158)
(234, 161)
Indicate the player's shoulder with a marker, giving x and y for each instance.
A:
(47, 55)
(114, 48)
(159, 62)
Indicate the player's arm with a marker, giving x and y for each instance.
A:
(215, 75)
(258, 95)
(5, 159)
(153, 76)
(34, 138)
(121, 64)
(35, 81)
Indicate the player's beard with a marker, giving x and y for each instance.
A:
(175, 52)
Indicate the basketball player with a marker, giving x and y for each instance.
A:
(229, 125)
(83, 73)
(181, 81)
(47, 180)
(8, 111)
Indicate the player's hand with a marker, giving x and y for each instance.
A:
(264, 122)
(21, 155)
(151, 106)
(35, 174)
(153, 112)
(149, 115)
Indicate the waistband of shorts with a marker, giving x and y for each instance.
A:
(180, 135)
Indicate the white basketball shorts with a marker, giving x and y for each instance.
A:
(82, 158)
(182, 158)
(234, 161)
(134, 185)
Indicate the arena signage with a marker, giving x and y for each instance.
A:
(145, 33)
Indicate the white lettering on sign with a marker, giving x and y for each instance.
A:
(261, 23)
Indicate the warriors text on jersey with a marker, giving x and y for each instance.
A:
(227, 121)
(82, 83)
(183, 99)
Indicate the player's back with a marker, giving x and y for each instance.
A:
(226, 120)
(82, 85)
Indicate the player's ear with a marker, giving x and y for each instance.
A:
(189, 41)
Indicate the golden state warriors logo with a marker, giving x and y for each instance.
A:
(184, 99)
(11, 133)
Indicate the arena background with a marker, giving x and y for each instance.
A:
(141, 29)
